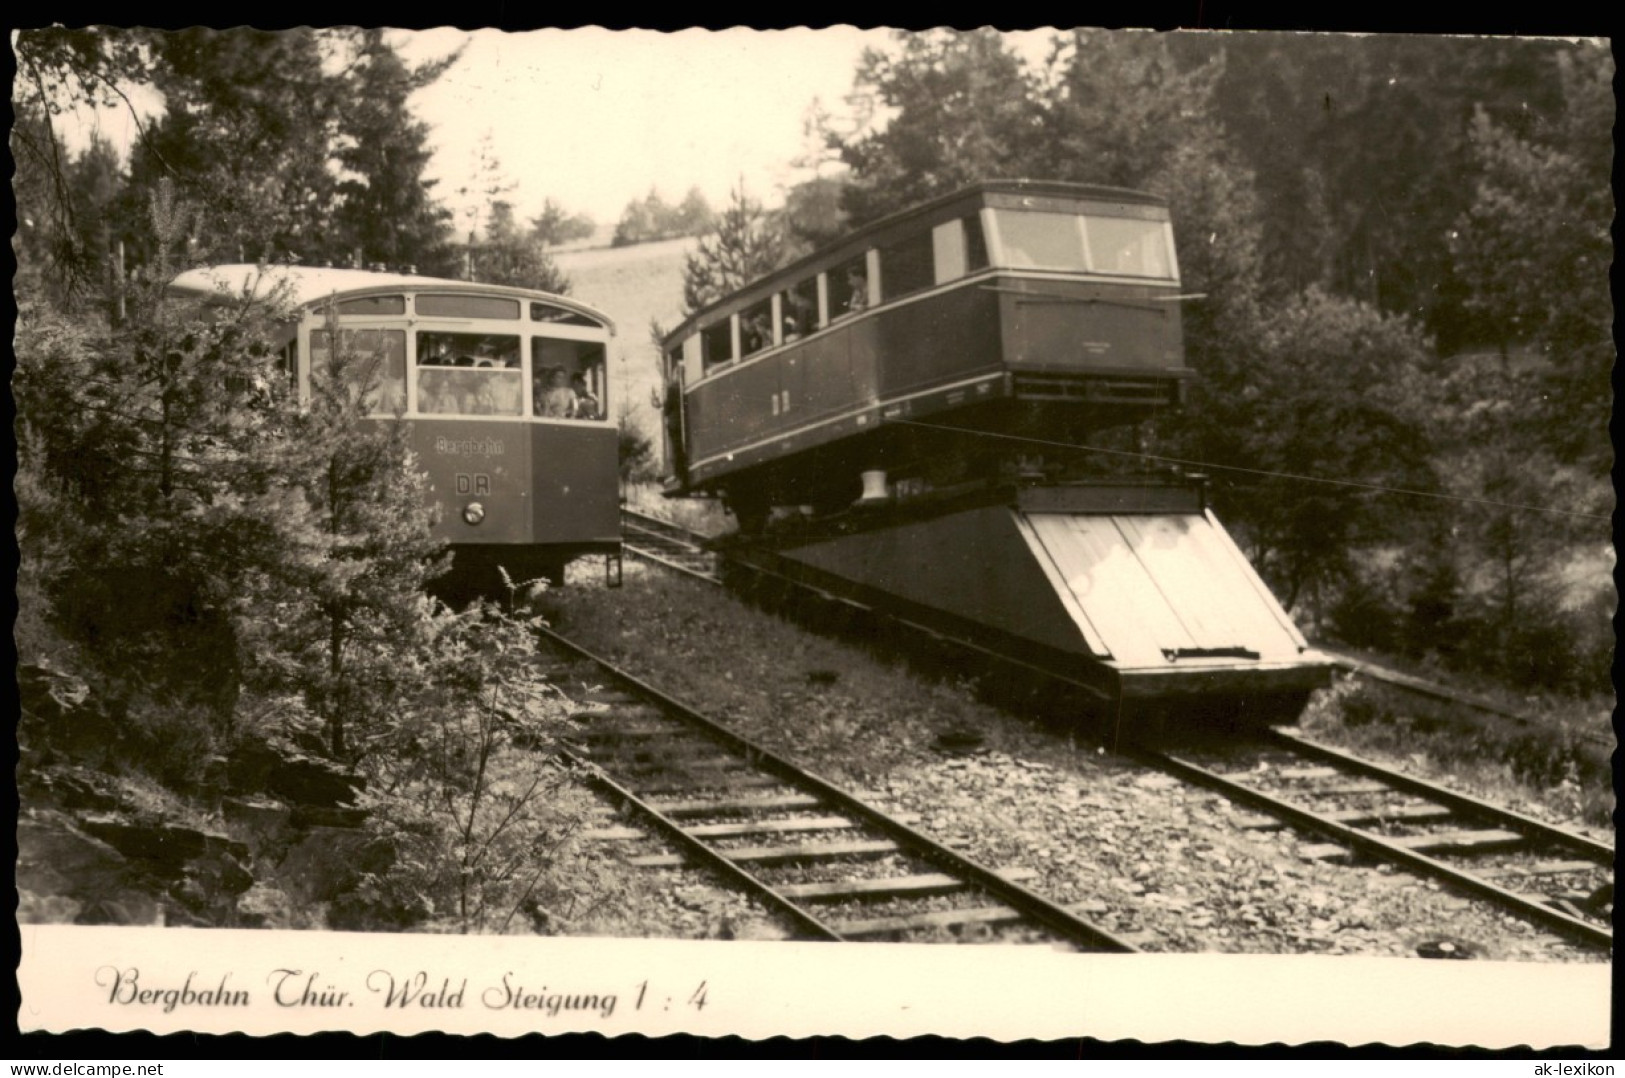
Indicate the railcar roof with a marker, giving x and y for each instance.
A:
(858, 237)
(306, 285)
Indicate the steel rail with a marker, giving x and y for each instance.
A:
(665, 531)
(666, 563)
(1030, 904)
(1568, 926)
(1435, 691)
(708, 854)
(1296, 815)
(1466, 804)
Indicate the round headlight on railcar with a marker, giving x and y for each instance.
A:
(473, 512)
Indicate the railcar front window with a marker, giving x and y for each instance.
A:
(459, 306)
(372, 307)
(548, 312)
(1033, 240)
(374, 359)
(567, 379)
(468, 374)
(905, 266)
(1129, 246)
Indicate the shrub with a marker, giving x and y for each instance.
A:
(636, 451)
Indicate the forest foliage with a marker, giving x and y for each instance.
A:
(1396, 251)
(1401, 245)
(229, 571)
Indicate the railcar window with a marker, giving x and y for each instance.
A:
(1128, 246)
(431, 305)
(374, 359)
(716, 344)
(568, 379)
(290, 361)
(848, 288)
(756, 328)
(547, 312)
(468, 374)
(799, 303)
(948, 250)
(372, 306)
(1040, 240)
(975, 244)
(905, 266)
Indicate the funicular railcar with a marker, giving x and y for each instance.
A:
(918, 396)
(505, 390)
(1014, 307)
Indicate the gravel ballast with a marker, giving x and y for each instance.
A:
(1151, 859)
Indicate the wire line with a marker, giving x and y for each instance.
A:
(1260, 471)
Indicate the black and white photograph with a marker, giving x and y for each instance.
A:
(1065, 533)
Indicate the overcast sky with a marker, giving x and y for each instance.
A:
(593, 118)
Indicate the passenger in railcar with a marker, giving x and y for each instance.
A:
(858, 291)
(434, 397)
(557, 401)
(792, 332)
(486, 400)
(504, 395)
(439, 353)
(586, 405)
(758, 333)
(673, 415)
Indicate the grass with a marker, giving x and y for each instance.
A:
(1547, 768)
(705, 516)
(633, 285)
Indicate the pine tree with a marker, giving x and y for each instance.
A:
(508, 256)
(247, 137)
(153, 439)
(963, 112)
(554, 226)
(1533, 249)
(387, 213)
(748, 242)
(360, 549)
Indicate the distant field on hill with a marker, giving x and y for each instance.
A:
(632, 285)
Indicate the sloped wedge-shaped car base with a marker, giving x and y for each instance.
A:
(1142, 596)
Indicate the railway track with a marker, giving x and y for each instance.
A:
(831, 864)
(666, 544)
(1549, 876)
(1544, 874)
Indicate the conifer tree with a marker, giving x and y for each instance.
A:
(387, 212)
(154, 438)
(748, 242)
(360, 545)
(508, 256)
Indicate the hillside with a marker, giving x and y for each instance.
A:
(633, 285)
